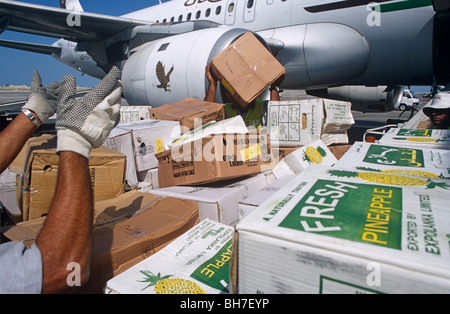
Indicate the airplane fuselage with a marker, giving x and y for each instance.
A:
(321, 44)
(400, 38)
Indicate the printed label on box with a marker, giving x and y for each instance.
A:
(330, 205)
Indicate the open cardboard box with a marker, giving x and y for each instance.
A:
(217, 157)
(37, 169)
(127, 229)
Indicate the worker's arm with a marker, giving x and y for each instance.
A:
(66, 235)
(40, 106)
(13, 138)
(212, 87)
(274, 88)
(81, 124)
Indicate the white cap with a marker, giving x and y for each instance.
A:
(440, 101)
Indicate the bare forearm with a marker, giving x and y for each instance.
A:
(66, 234)
(13, 138)
(211, 92)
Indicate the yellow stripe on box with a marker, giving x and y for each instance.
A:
(250, 152)
(159, 145)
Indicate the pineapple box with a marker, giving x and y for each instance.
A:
(414, 160)
(294, 123)
(322, 234)
(314, 153)
(431, 138)
(195, 263)
(148, 138)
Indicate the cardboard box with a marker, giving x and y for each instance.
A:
(8, 198)
(37, 167)
(363, 156)
(428, 138)
(121, 141)
(127, 230)
(315, 153)
(148, 179)
(148, 138)
(217, 158)
(219, 202)
(253, 201)
(339, 150)
(195, 263)
(297, 123)
(189, 110)
(283, 151)
(134, 113)
(246, 68)
(327, 235)
(234, 125)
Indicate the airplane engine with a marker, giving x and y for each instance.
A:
(173, 68)
(363, 98)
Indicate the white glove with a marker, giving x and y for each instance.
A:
(42, 100)
(83, 124)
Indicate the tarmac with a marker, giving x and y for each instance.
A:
(11, 101)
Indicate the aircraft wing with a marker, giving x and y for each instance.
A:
(54, 22)
(37, 48)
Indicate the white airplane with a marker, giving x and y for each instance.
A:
(361, 51)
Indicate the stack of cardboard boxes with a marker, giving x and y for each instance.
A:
(205, 204)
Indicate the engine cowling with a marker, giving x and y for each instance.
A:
(173, 68)
(363, 98)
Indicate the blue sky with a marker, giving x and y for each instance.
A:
(16, 67)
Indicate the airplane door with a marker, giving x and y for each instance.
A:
(230, 14)
(249, 10)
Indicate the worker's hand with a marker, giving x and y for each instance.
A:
(210, 74)
(42, 99)
(83, 124)
(278, 81)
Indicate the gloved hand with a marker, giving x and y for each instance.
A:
(42, 100)
(83, 124)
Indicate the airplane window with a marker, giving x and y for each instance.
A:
(165, 20)
(218, 10)
(208, 12)
(188, 18)
(231, 7)
(180, 18)
(197, 15)
(172, 19)
(250, 4)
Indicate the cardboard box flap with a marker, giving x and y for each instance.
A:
(124, 206)
(42, 142)
(185, 111)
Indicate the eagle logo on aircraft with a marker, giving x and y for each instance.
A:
(163, 78)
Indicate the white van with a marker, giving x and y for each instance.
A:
(409, 100)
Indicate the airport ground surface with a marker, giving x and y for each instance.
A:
(363, 121)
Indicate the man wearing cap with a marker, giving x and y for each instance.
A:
(439, 111)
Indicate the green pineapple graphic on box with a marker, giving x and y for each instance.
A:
(387, 178)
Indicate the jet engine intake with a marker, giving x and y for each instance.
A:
(173, 68)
